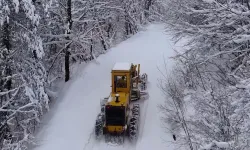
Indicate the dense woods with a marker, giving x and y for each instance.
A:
(207, 93)
(40, 40)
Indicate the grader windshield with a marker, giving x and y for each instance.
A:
(121, 81)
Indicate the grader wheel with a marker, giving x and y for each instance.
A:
(99, 125)
(134, 123)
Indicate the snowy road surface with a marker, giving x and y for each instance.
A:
(72, 123)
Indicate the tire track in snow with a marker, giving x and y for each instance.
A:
(143, 118)
(144, 111)
(89, 141)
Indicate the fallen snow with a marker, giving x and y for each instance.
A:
(122, 66)
(72, 122)
(209, 1)
(216, 144)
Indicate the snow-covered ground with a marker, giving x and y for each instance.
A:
(71, 123)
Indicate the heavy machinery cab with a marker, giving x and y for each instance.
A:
(121, 77)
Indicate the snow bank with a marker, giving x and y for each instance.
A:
(216, 144)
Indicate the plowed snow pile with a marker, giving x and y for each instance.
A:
(72, 123)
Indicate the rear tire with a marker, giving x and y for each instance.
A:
(134, 123)
(99, 126)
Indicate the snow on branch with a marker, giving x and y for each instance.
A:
(214, 70)
(9, 91)
(34, 51)
(57, 42)
(57, 36)
(9, 77)
(216, 144)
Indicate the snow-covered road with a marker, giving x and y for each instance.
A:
(71, 126)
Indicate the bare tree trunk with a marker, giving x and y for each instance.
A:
(91, 50)
(67, 53)
(8, 72)
(67, 71)
(103, 44)
(6, 43)
(248, 6)
(109, 29)
(126, 25)
(148, 3)
(102, 38)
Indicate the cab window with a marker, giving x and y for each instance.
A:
(121, 81)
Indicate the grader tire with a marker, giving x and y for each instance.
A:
(134, 123)
(99, 126)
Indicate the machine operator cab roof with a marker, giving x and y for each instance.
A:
(121, 77)
(122, 66)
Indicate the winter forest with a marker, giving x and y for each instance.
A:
(207, 94)
(40, 40)
(209, 88)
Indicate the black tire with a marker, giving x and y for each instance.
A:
(134, 123)
(99, 126)
(133, 128)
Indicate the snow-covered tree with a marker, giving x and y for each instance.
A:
(96, 26)
(215, 70)
(22, 94)
(39, 42)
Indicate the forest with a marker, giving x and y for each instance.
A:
(40, 41)
(208, 92)
(207, 103)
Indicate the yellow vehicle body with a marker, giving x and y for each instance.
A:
(121, 87)
(123, 101)
(118, 116)
(115, 129)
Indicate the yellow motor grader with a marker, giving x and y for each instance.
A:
(119, 116)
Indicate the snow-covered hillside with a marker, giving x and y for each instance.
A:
(72, 122)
